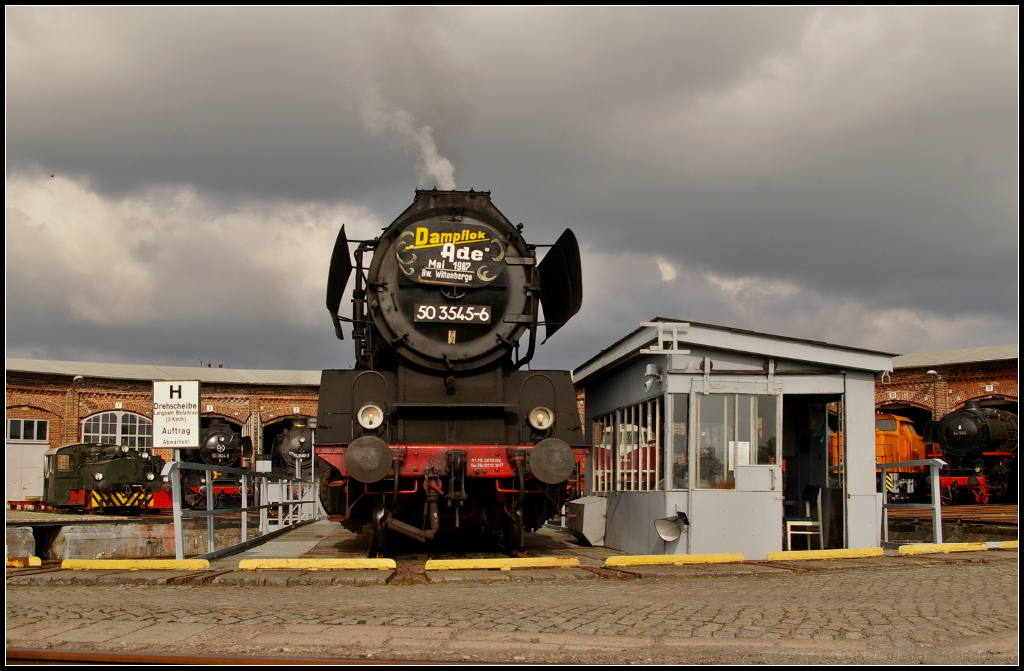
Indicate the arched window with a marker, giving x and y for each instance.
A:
(118, 428)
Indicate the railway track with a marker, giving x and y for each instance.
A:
(1002, 515)
(30, 656)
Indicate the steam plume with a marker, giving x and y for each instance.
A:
(435, 170)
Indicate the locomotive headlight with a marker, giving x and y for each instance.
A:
(166, 478)
(97, 476)
(124, 448)
(370, 416)
(149, 476)
(143, 455)
(541, 418)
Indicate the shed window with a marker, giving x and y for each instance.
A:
(680, 425)
(118, 428)
(35, 430)
(734, 430)
(628, 449)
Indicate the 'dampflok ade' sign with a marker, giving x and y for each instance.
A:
(453, 254)
(176, 414)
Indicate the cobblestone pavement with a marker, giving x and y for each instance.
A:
(939, 613)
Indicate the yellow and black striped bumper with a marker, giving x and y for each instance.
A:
(121, 500)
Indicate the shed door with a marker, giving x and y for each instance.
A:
(24, 471)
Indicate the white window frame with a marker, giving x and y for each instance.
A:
(122, 419)
(21, 431)
(628, 448)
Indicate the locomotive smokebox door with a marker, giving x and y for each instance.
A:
(452, 286)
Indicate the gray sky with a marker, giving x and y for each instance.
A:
(839, 174)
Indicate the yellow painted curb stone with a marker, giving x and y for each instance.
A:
(929, 548)
(1008, 545)
(136, 564)
(502, 563)
(838, 553)
(23, 562)
(673, 560)
(310, 564)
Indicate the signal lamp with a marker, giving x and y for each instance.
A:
(97, 476)
(541, 418)
(149, 476)
(370, 416)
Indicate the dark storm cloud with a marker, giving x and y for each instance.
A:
(844, 173)
(236, 101)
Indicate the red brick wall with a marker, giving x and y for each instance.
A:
(954, 385)
(56, 398)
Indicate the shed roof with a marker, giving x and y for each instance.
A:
(739, 340)
(954, 356)
(128, 371)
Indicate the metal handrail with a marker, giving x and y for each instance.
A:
(936, 504)
(173, 470)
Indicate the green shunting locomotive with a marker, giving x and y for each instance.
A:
(95, 477)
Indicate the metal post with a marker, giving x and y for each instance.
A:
(934, 466)
(245, 504)
(885, 508)
(172, 470)
(264, 497)
(209, 510)
(936, 503)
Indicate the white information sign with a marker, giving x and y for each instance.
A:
(175, 414)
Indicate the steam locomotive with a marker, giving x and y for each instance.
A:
(293, 447)
(219, 445)
(441, 425)
(980, 447)
(96, 477)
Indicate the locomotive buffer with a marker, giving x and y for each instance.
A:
(439, 425)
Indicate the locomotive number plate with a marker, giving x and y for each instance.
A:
(470, 314)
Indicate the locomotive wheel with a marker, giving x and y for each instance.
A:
(378, 542)
(949, 495)
(192, 499)
(999, 482)
(514, 532)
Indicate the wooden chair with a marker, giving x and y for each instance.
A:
(807, 525)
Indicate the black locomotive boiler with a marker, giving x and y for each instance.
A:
(979, 445)
(441, 425)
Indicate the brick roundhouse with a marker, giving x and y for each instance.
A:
(928, 385)
(54, 403)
